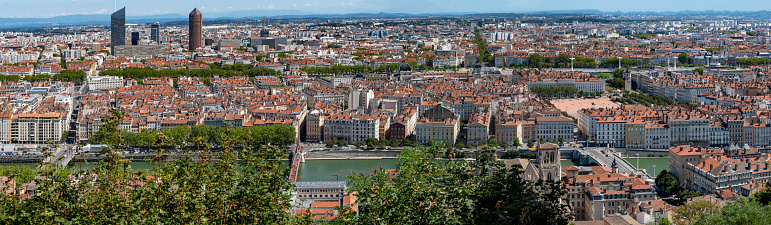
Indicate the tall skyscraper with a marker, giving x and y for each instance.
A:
(196, 29)
(134, 38)
(117, 29)
(155, 32)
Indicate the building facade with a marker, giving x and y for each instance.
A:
(195, 33)
(118, 29)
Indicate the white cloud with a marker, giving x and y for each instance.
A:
(271, 6)
(307, 5)
(294, 5)
(103, 11)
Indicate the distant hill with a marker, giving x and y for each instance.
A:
(102, 19)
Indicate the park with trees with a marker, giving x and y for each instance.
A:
(139, 73)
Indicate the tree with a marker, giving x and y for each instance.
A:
(745, 211)
(764, 196)
(694, 211)
(516, 142)
(394, 143)
(682, 58)
(535, 61)
(563, 60)
(618, 74)
(504, 145)
(686, 194)
(460, 145)
(372, 142)
(406, 142)
(493, 143)
(359, 144)
(664, 221)
(699, 71)
(428, 191)
(342, 143)
(667, 182)
(530, 144)
(382, 143)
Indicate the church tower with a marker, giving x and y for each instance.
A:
(549, 162)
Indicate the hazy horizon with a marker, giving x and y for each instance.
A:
(53, 8)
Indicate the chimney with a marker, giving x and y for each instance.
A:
(710, 167)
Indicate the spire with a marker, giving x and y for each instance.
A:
(614, 164)
(195, 12)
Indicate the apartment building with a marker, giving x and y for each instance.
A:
(688, 129)
(656, 135)
(430, 130)
(359, 100)
(595, 192)
(529, 131)
(635, 134)
(478, 128)
(33, 128)
(315, 94)
(586, 86)
(439, 123)
(508, 131)
(611, 132)
(681, 156)
(314, 126)
(351, 127)
(554, 128)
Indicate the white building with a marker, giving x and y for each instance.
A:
(611, 132)
(104, 82)
(359, 100)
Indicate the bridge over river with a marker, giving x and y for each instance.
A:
(62, 156)
(605, 157)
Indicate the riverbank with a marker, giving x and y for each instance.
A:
(356, 158)
(352, 155)
(647, 164)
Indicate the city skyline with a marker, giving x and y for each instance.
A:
(20, 9)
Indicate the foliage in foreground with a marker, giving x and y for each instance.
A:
(752, 210)
(191, 189)
(430, 191)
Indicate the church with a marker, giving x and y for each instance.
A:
(547, 165)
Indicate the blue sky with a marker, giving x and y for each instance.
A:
(50, 8)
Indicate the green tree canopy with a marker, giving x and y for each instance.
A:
(429, 191)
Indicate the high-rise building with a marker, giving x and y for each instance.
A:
(135, 38)
(118, 29)
(196, 29)
(155, 32)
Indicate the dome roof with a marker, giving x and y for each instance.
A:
(405, 67)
